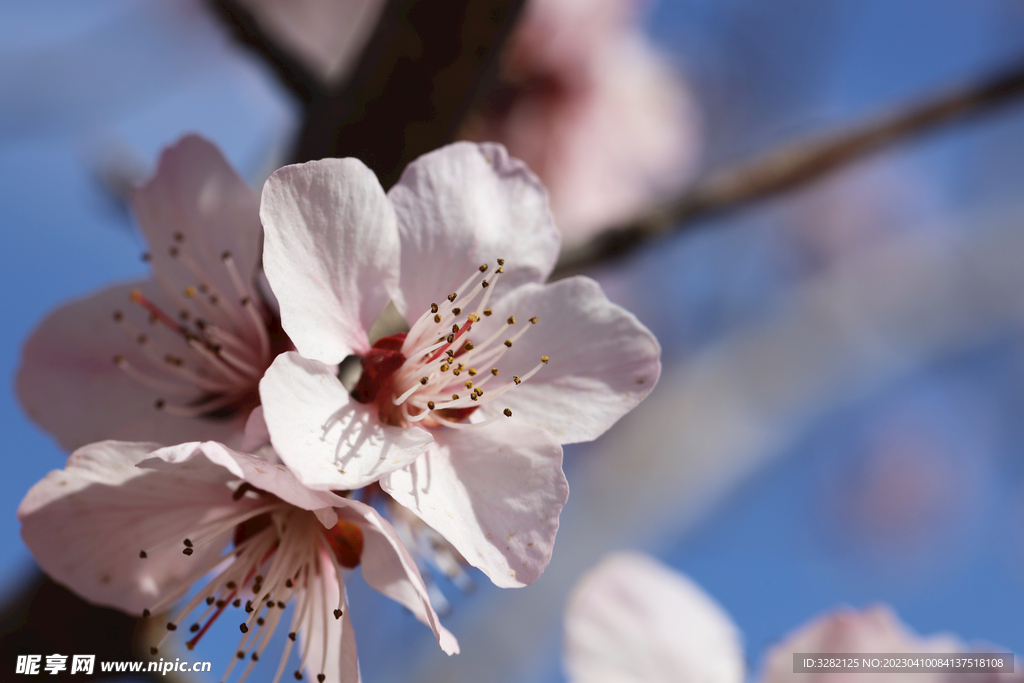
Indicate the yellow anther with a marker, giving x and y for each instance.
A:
(487, 311)
(433, 308)
(501, 262)
(508, 343)
(469, 346)
(533, 320)
(494, 371)
(444, 368)
(190, 291)
(437, 318)
(485, 284)
(455, 397)
(511, 320)
(472, 372)
(451, 297)
(469, 384)
(544, 359)
(483, 268)
(457, 311)
(516, 379)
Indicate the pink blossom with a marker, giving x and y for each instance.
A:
(132, 526)
(633, 620)
(178, 355)
(593, 109)
(461, 419)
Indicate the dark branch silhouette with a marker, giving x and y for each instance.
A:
(792, 166)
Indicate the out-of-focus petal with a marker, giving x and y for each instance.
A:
(603, 361)
(494, 493)
(389, 568)
(192, 211)
(87, 523)
(465, 205)
(70, 386)
(327, 439)
(331, 254)
(633, 620)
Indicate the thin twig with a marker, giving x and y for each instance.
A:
(792, 166)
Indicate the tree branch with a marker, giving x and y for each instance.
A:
(418, 77)
(792, 166)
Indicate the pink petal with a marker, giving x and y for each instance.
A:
(331, 254)
(328, 440)
(86, 524)
(389, 568)
(197, 204)
(69, 385)
(633, 620)
(495, 493)
(603, 361)
(271, 477)
(339, 664)
(875, 629)
(465, 205)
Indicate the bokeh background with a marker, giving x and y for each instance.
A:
(839, 417)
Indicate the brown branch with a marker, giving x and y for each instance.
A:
(247, 32)
(792, 166)
(415, 82)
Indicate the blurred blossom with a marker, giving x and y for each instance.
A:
(594, 109)
(176, 511)
(327, 36)
(469, 227)
(633, 620)
(177, 355)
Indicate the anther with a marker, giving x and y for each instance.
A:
(469, 346)
(533, 320)
(193, 628)
(457, 311)
(153, 651)
(511, 320)
(483, 268)
(437, 318)
(430, 405)
(145, 613)
(456, 372)
(292, 635)
(178, 237)
(280, 604)
(142, 554)
(449, 353)
(338, 613)
(508, 412)
(187, 551)
(171, 626)
(118, 316)
(494, 371)
(423, 381)
(188, 543)
(433, 308)
(255, 656)
(173, 251)
(515, 378)
(544, 359)
(221, 603)
(455, 397)
(248, 604)
(469, 384)
(320, 677)
(288, 583)
(508, 343)
(451, 297)
(501, 262)
(142, 339)
(210, 600)
(478, 391)
(243, 628)
(487, 311)
(455, 328)
(450, 338)
(298, 675)
(160, 403)
(485, 284)
(261, 621)
(189, 291)
(444, 368)
(472, 372)
(240, 654)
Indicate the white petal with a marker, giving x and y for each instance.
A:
(603, 361)
(327, 439)
(331, 254)
(389, 568)
(338, 663)
(196, 203)
(465, 205)
(495, 493)
(86, 524)
(633, 620)
(271, 477)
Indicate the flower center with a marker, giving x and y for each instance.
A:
(218, 345)
(436, 373)
(279, 553)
